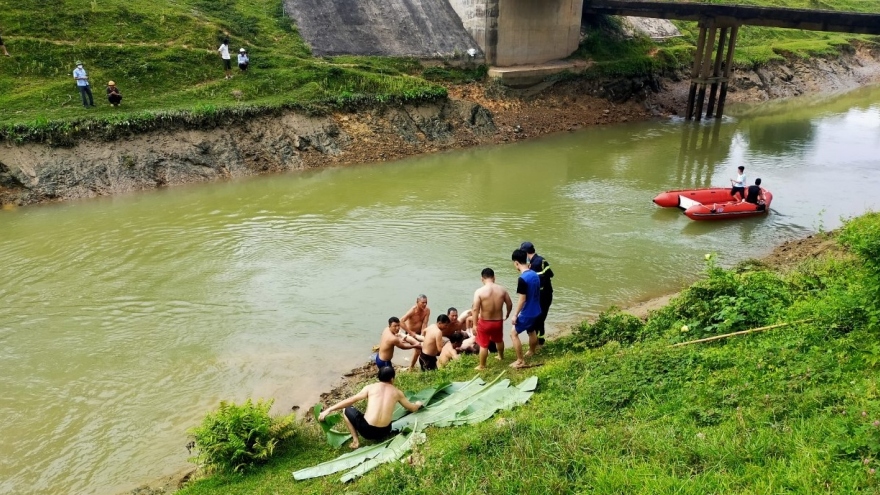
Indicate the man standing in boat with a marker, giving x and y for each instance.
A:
(540, 266)
(738, 185)
(755, 195)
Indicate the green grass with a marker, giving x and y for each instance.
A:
(794, 409)
(163, 57)
(615, 56)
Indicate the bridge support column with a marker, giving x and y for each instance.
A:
(707, 75)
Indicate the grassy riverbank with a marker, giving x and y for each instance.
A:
(163, 57)
(618, 410)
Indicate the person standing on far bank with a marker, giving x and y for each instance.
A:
(82, 83)
(224, 54)
(540, 266)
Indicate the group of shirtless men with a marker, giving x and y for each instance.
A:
(479, 329)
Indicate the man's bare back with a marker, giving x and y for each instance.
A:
(489, 302)
(381, 399)
(433, 340)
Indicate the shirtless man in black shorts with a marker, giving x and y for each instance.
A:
(381, 399)
(433, 343)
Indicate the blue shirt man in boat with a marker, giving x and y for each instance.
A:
(755, 195)
(528, 307)
(738, 185)
(381, 398)
(540, 266)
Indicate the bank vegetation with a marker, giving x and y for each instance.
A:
(163, 56)
(621, 409)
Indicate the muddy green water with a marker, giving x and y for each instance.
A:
(125, 319)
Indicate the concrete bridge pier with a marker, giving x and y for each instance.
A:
(710, 75)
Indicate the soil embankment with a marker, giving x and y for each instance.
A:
(474, 114)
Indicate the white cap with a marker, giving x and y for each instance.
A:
(241, 49)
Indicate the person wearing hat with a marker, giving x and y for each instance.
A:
(243, 59)
(82, 83)
(540, 266)
(113, 94)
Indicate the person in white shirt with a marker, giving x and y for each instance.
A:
(224, 54)
(738, 185)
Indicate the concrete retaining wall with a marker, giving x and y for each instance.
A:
(421, 28)
(536, 31)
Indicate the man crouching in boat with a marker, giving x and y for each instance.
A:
(381, 398)
(755, 195)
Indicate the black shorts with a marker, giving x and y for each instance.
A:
(740, 190)
(365, 429)
(227, 63)
(242, 66)
(427, 362)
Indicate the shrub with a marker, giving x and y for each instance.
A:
(862, 236)
(235, 438)
(611, 325)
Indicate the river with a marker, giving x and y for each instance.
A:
(125, 319)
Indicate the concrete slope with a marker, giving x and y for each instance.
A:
(421, 28)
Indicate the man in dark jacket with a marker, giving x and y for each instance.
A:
(540, 266)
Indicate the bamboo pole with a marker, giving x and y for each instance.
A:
(742, 332)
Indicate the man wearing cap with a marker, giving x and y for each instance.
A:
(540, 266)
(113, 94)
(82, 83)
(243, 59)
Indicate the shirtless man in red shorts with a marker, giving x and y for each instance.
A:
(414, 323)
(489, 303)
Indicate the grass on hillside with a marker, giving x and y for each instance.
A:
(617, 56)
(617, 410)
(163, 57)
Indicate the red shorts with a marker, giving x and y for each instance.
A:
(490, 330)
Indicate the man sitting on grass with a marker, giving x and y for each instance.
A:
(381, 398)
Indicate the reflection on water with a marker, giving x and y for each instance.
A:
(125, 319)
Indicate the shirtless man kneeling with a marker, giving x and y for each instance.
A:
(381, 399)
(489, 302)
(389, 340)
(414, 322)
(433, 343)
(456, 323)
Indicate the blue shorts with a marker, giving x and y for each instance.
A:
(526, 324)
(380, 363)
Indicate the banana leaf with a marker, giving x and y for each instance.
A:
(334, 438)
(454, 404)
(343, 462)
(394, 451)
(427, 396)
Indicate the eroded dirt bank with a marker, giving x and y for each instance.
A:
(474, 114)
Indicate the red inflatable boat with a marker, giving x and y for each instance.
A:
(713, 203)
